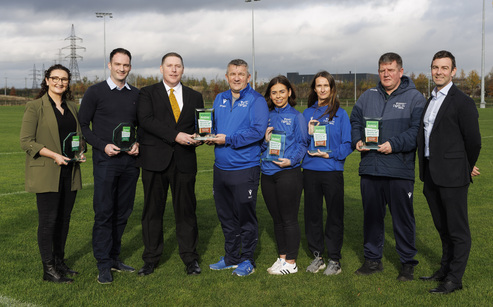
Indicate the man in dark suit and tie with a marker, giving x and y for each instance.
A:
(166, 114)
(449, 142)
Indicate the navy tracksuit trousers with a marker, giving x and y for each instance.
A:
(235, 194)
(376, 193)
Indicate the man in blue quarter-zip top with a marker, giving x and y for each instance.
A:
(240, 119)
(387, 117)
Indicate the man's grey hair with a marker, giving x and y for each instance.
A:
(237, 62)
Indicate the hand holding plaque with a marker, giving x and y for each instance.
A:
(319, 137)
(125, 136)
(277, 145)
(372, 133)
(74, 146)
(204, 124)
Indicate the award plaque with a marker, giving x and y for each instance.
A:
(74, 145)
(204, 124)
(124, 136)
(372, 133)
(319, 137)
(277, 145)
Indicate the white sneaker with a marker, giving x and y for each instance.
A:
(333, 268)
(276, 264)
(285, 268)
(316, 265)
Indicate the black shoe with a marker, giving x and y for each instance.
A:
(105, 276)
(63, 269)
(121, 267)
(147, 269)
(406, 273)
(370, 267)
(51, 274)
(437, 276)
(193, 268)
(446, 287)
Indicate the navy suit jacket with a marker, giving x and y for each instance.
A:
(455, 141)
(158, 129)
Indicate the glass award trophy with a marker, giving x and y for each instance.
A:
(277, 145)
(372, 133)
(124, 136)
(204, 121)
(319, 137)
(74, 145)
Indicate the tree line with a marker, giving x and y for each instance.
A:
(469, 83)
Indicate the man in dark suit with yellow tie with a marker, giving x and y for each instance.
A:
(449, 143)
(166, 114)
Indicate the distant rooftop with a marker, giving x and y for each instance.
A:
(296, 78)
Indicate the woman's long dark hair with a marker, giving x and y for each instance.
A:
(332, 101)
(67, 95)
(282, 80)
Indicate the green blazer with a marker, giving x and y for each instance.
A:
(40, 129)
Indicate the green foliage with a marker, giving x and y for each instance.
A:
(22, 271)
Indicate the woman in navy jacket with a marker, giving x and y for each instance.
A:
(322, 173)
(282, 180)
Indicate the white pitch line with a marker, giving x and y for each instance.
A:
(24, 192)
(7, 301)
(84, 185)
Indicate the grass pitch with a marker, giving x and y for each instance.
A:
(21, 270)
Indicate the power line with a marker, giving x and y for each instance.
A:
(34, 77)
(73, 66)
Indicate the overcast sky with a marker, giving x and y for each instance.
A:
(303, 36)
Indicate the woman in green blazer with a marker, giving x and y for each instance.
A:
(46, 123)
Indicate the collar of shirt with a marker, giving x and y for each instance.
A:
(63, 104)
(177, 91)
(112, 85)
(442, 92)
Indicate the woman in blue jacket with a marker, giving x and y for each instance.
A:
(282, 179)
(330, 144)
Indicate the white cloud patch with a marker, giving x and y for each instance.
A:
(306, 36)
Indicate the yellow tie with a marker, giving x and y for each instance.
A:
(174, 105)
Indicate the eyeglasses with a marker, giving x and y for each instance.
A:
(58, 79)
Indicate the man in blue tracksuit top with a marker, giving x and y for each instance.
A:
(387, 174)
(240, 119)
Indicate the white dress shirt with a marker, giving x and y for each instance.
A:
(431, 113)
(178, 91)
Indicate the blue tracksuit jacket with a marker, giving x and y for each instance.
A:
(339, 139)
(289, 120)
(244, 125)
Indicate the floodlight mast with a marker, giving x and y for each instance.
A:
(104, 15)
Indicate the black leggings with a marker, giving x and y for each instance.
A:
(282, 194)
(54, 210)
(317, 185)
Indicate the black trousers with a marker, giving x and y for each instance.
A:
(319, 184)
(448, 207)
(282, 194)
(184, 204)
(54, 210)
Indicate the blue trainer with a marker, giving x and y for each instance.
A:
(244, 269)
(221, 265)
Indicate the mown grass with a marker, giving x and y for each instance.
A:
(21, 273)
